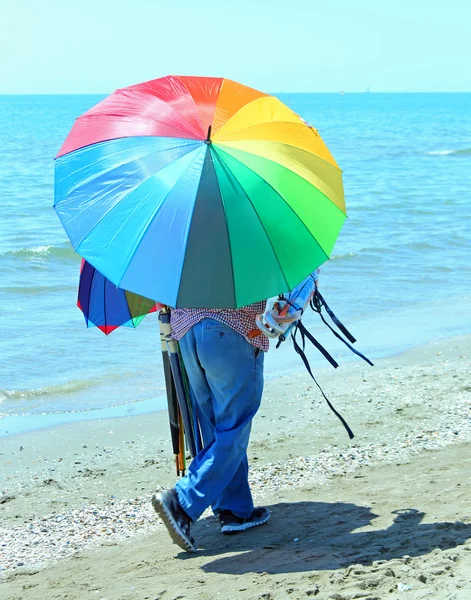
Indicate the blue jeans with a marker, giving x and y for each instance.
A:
(226, 383)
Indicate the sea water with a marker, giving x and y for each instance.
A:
(399, 274)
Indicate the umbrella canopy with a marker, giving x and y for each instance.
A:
(107, 307)
(198, 192)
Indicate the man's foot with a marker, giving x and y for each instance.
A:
(230, 523)
(176, 520)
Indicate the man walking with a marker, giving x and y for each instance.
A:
(225, 371)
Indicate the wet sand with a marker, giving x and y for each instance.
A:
(385, 515)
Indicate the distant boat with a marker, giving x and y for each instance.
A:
(368, 91)
(342, 93)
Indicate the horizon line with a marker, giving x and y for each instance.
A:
(340, 93)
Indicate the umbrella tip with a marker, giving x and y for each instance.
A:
(208, 139)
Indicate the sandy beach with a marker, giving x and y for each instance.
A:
(385, 515)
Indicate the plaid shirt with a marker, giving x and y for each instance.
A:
(241, 320)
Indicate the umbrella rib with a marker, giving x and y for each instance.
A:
(336, 204)
(190, 97)
(187, 239)
(148, 116)
(127, 306)
(125, 196)
(257, 100)
(227, 230)
(228, 141)
(227, 170)
(124, 119)
(111, 156)
(286, 168)
(153, 217)
(288, 205)
(93, 143)
(90, 292)
(194, 104)
(238, 111)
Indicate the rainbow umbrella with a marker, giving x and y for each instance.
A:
(107, 307)
(198, 192)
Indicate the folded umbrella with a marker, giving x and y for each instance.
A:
(198, 192)
(187, 410)
(107, 307)
(174, 414)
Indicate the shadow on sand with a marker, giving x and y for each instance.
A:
(307, 536)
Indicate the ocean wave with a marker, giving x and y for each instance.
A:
(61, 389)
(411, 246)
(364, 253)
(460, 152)
(62, 252)
(36, 290)
(345, 256)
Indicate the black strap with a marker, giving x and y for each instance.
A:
(316, 305)
(319, 302)
(305, 333)
(300, 351)
(338, 336)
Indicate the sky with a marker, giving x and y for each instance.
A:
(96, 46)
